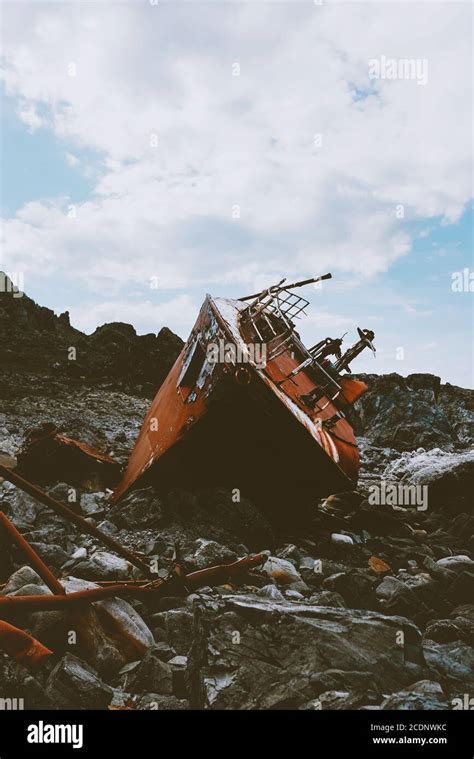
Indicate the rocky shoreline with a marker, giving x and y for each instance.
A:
(369, 607)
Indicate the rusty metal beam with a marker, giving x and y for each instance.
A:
(82, 525)
(21, 646)
(34, 560)
(215, 575)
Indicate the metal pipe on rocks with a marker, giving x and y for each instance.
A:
(215, 575)
(83, 526)
(21, 646)
(35, 561)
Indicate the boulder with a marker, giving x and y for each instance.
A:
(138, 510)
(21, 508)
(425, 694)
(402, 413)
(448, 476)
(250, 652)
(281, 570)
(103, 565)
(23, 576)
(150, 675)
(73, 684)
(452, 664)
(208, 553)
(177, 625)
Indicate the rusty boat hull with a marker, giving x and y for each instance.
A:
(230, 420)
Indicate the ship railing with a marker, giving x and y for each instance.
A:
(282, 304)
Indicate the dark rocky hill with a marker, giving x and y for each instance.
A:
(415, 411)
(33, 340)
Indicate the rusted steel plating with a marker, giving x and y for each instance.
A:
(21, 646)
(215, 575)
(35, 561)
(82, 525)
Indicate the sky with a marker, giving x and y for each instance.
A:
(156, 151)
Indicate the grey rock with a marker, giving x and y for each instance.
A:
(178, 665)
(281, 645)
(92, 504)
(398, 412)
(50, 527)
(163, 651)
(44, 625)
(396, 597)
(151, 675)
(327, 598)
(294, 595)
(116, 627)
(448, 630)
(73, 684)
(356, 587)
(139, 510)
(126, 622)
(192, 598)
(271, 591)
(103, 566)
(206, 553)
(452, 663)
(448, 476)
(423, 695)
(281, 570)
(32, 590)
(343, 540)
(67, 495)
(306, 563)
(156, 701)
(79, 553)
(456, 563)
(23, 576)
(108, 527)
(121, 699)
(94, 644)
(178, 626)
(22, 509)
(17, 683)
(335, 700)
(291, 553)
(53, 555)
(169, 602)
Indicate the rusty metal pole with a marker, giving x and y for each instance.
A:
(21, 646)
(35, 561)
(82, 525)
(215, 575)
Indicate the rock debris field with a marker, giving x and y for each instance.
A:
(370, 607)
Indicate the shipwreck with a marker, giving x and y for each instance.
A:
(248, 406)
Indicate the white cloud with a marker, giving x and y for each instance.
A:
(72, 160)
(28, 114)
(246, 141)
(145, 315)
